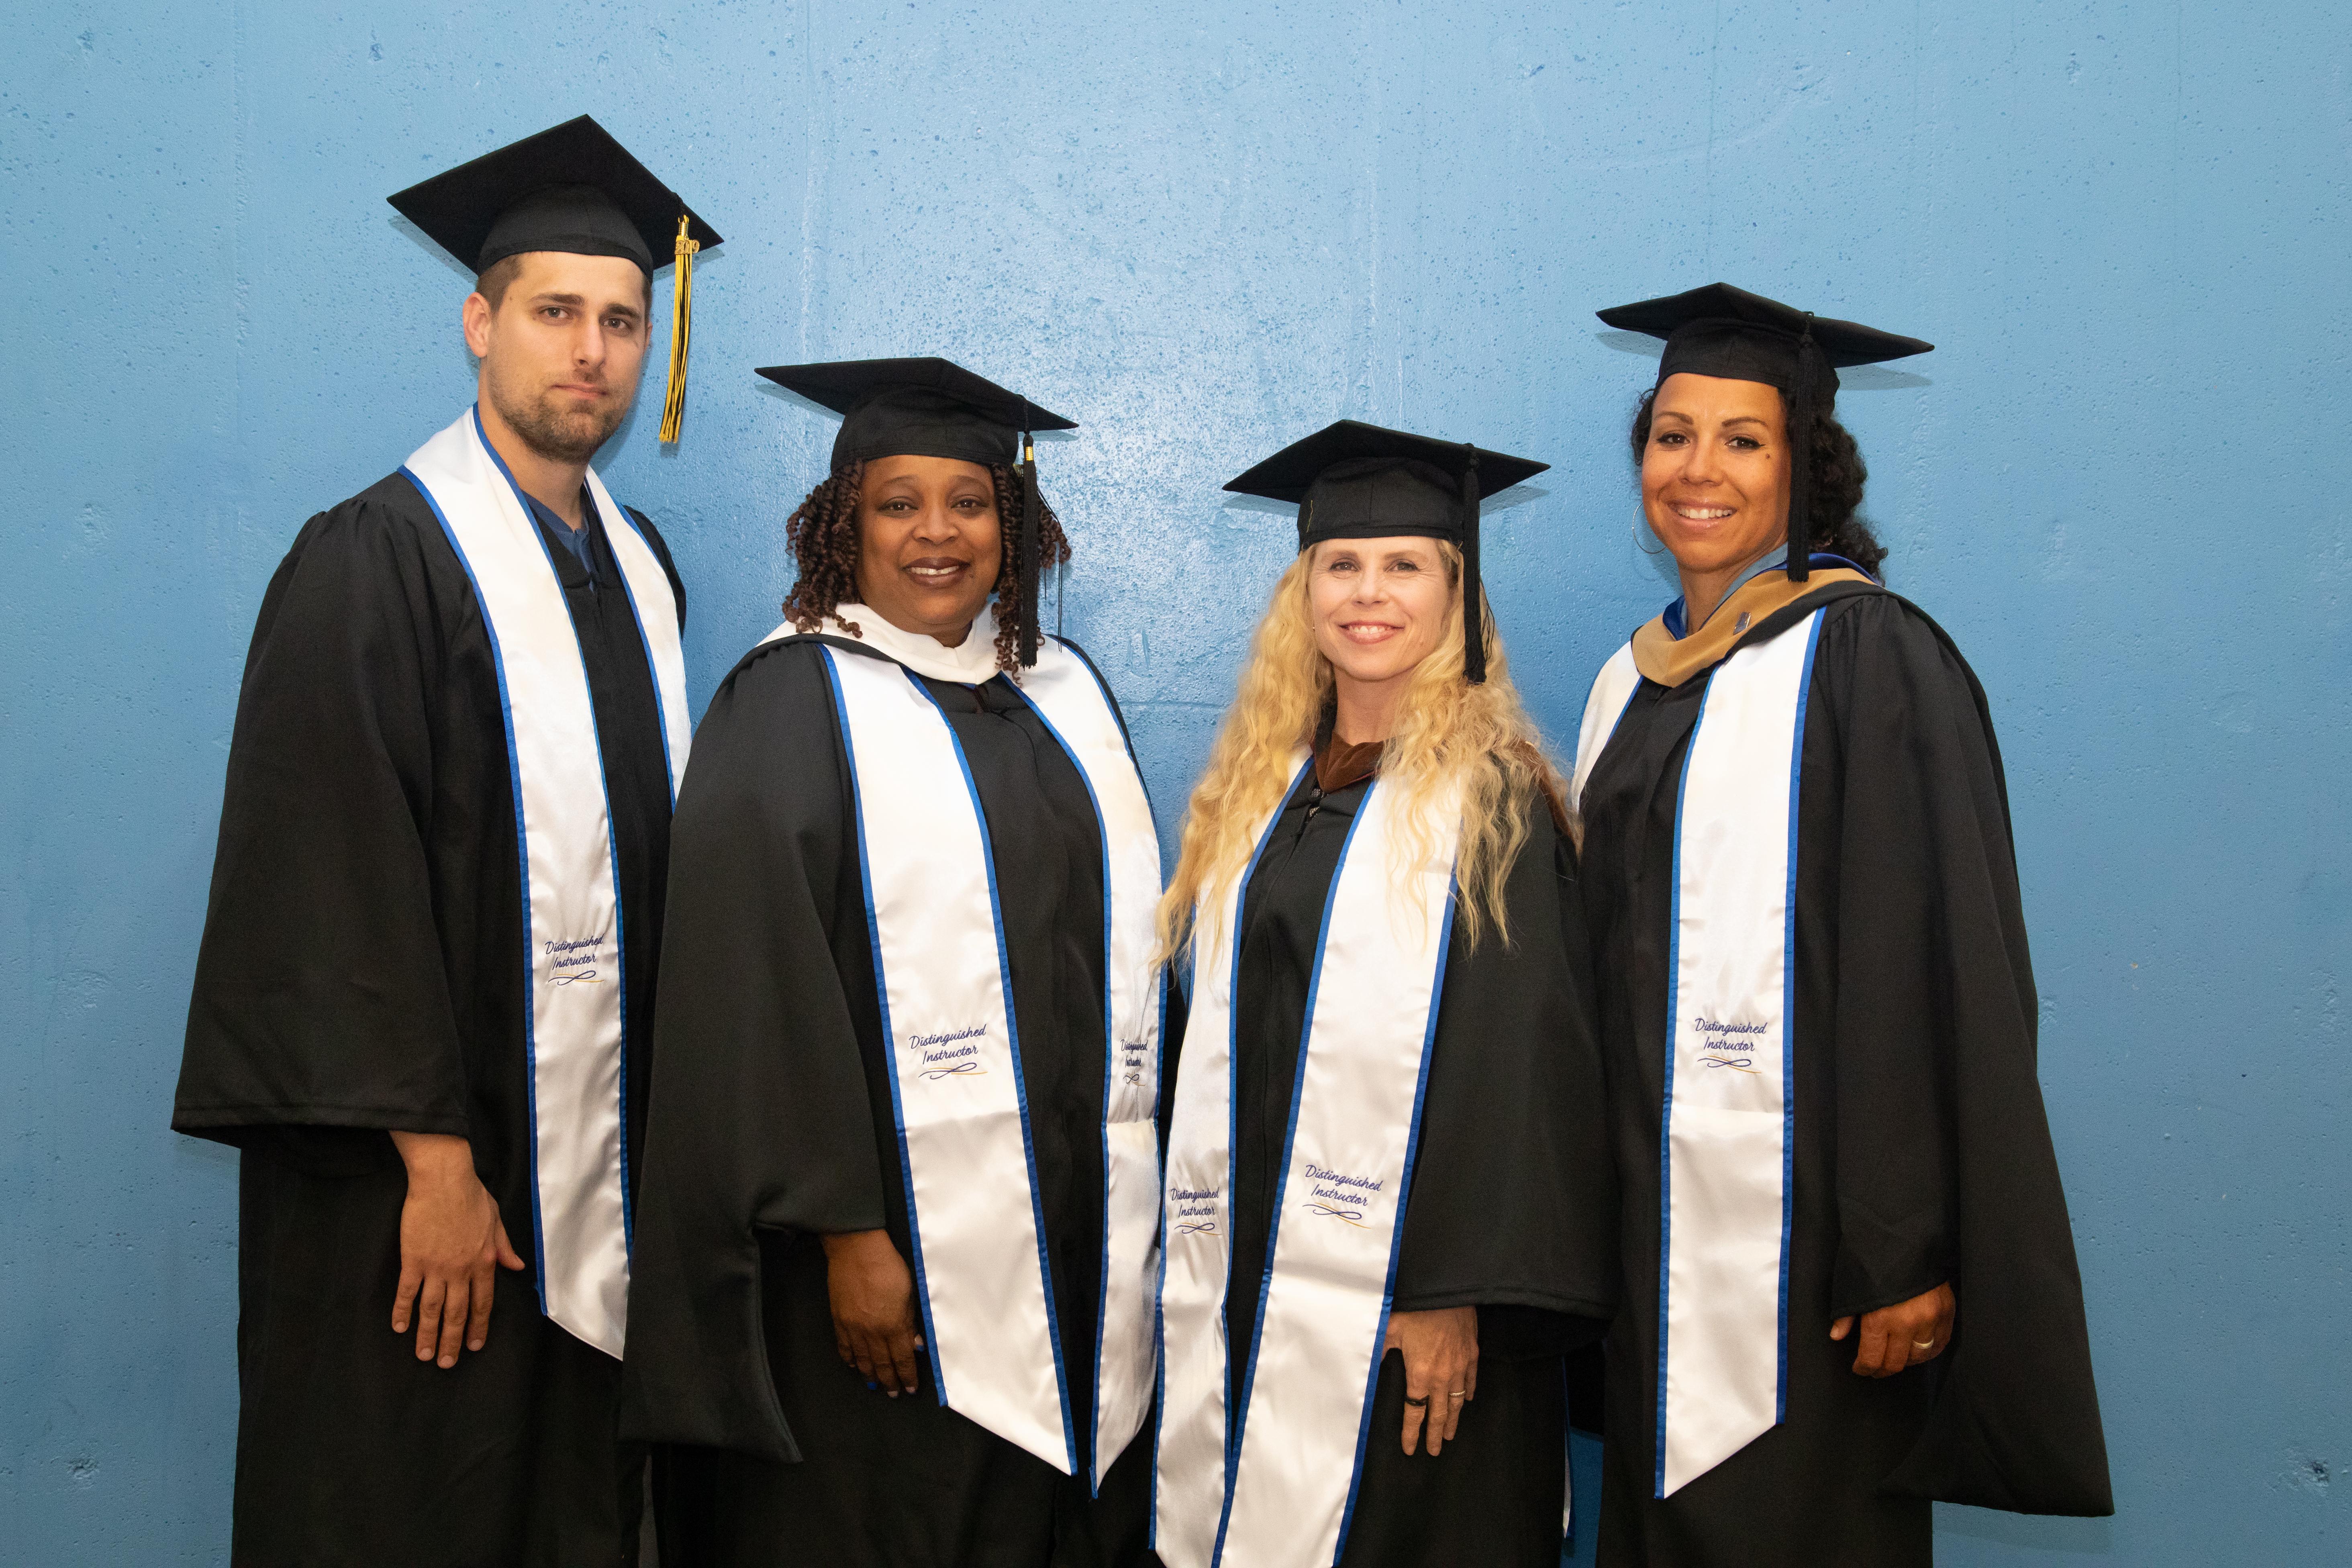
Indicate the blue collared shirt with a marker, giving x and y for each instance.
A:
(575, 540)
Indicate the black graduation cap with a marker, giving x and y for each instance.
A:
(932, 407)
(1724, 331)
(925, 407)
(1354, 481)
(574, 189)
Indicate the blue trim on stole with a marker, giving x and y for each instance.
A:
(661, 703)
(1020, 1084)
(612, 848)
(1159, 1285)
(1232, 1136)
(1110, 1063)
(1566, 1448)
(1237, 1397)
(890, 1036)
(1788, 1051)
(1125, 740)
(522, 861)
(1789, 1015)
(1240, 1424)
(1666, 1109)
(1396, 1236)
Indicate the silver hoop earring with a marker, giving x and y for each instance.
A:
(1634, 528)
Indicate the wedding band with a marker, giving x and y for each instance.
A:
(1456, 1393)
(1923, 1345)
(1416, 1404)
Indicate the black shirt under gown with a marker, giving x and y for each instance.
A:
(1512, 1207)
(772, 1125)
(360, 973)
(1922, 1154)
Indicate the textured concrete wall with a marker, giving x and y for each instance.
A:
(1205, 230)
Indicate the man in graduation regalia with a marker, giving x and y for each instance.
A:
(900, 1216)
(1851, 1286)
(423, 1002)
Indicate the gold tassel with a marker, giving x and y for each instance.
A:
(681, 327)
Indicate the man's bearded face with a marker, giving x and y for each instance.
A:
(566, 344)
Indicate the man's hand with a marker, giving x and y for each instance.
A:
(452, 1245)
(1903, 1335)
(1441, 1369)
(873, 1297)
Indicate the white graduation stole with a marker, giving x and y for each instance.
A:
(1723, 1270)
(572, 916)
(1612, 688)
(981, 1269)
(1066, 695)
(1271, 1486)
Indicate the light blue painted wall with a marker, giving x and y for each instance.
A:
(1206, 229)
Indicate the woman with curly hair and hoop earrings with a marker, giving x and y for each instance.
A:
(1849, 1282)
(899, 1229)
(1389, 1191)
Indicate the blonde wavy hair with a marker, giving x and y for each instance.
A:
(1449, 733)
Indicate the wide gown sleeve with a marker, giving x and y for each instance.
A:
(320, 995)
(1945, 1167)
(1513, 1196)
(760, 1114)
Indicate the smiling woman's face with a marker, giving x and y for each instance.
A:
(1715, 475)
(1379, 605)
(928, 543)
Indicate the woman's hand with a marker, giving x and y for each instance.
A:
(873, 1297)
(1441, 1369)
(1903, 1335)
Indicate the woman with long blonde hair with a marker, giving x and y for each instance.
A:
(1389, 1191)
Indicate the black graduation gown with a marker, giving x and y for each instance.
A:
(1512, 1209)
(360, 972)
(772, 1125)
(1922, 1154)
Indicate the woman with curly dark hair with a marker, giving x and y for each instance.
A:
(899, 1230)
(1850, 1280)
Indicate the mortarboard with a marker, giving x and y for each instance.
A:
(574, 189)
(1723, 332)
(932, 407)
(1353, 480)
(925, 407)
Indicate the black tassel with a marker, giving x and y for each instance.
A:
(1032, 537)
(1473, 597)
(1800, 454)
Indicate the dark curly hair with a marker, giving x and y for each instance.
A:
(1838, 478)
(823, 533)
